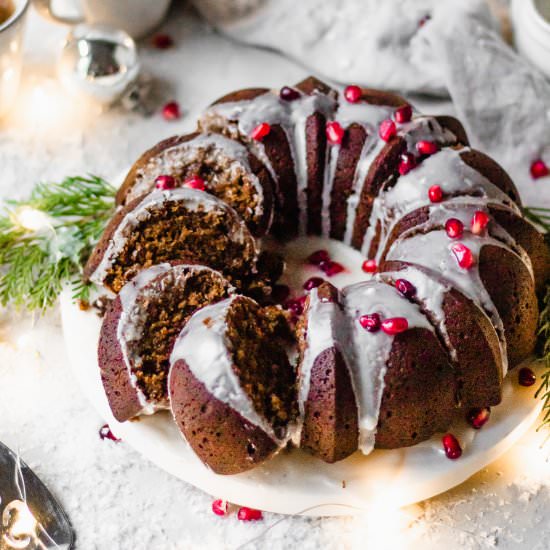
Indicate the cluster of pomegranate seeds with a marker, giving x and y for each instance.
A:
(403, 114)
(477, 418)
(313, 282)
(220, 507)
(406, 288)
(165, 182)
(370, 322)
(334, 132)
(526, 377)
(387, 129)
(289, 94)
(407, 162)
(454, 228)
(395, 325)
(539, 169)
(249, 514)
(106, 433)
(295, 305)
(195, 182)
(480, 221)
(318, 256)
(426, 147)
(353, 94)
(369, 266)
(162, 41)
(463, 255)
(280, 293)
(451, 446)
(435, 193)
(171, 111)
(260, 131)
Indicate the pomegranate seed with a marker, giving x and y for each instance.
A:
(249, 514)
(387, 129)
(426, 147)
(318, 256)
(171, 111)
(260, 131)
(452, 447)
(331, 268)
(289, 94)
(454, 228)
(395, 325)
(280, 293)
(406, 288)
(480, 220)
(403, 114)
(195, 182)
(353, 94)
(295, 305)
(334, 132)
(424, 20)
(407, 163)
(165, 182)
(369, 266)
(313, 282)
(106, 433)
(220, 507)
(463, 255)
(162, 41)
(539, 169)
(526, 377)
(435, 193)
(477, 418)
(370, 322)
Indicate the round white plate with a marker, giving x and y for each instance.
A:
(294, 482)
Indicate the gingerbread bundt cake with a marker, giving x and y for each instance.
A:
(384, 363)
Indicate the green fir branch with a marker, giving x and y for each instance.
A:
(539, 216)
(35, 262)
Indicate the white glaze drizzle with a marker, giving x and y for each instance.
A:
(192, 199)
(371, 350)
(206, 349)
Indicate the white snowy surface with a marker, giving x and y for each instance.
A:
(114, 497)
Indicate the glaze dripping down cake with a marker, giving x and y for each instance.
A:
(384, 363)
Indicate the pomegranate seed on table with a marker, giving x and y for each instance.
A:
(426, 147)
(353, 94)
(195, 182)
(435, 193)
(526, 377)
(477, 418)
(295, 305)
(249, 514)
(289, 94)
(454, 228)
(403, 114)
(387, 129)
(480, 221)
(162, 41)
(406, 288)
(370, 322)
(220, 507)
(451, 446)
(313, 282)
(539, 169)
(165, 182)
(260, 131)
(106, 433)
(369, 266)
(395, 325)
(331, 268)
(407, 163)
(334, 132)
(318, 256)
(171, 111)
(463, 255)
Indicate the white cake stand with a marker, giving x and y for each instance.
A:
(294, 482)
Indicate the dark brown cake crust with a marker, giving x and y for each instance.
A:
(222, 439)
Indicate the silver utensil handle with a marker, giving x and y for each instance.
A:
(44, 8)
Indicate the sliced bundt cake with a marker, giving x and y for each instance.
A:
(178, 225)
(139, 329)
(209, 162)
(232, 388)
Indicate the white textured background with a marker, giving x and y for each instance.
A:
(115, 499)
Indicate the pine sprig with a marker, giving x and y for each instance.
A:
(45, 240)
(539, 216)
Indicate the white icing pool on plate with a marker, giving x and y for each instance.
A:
(294, 481)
